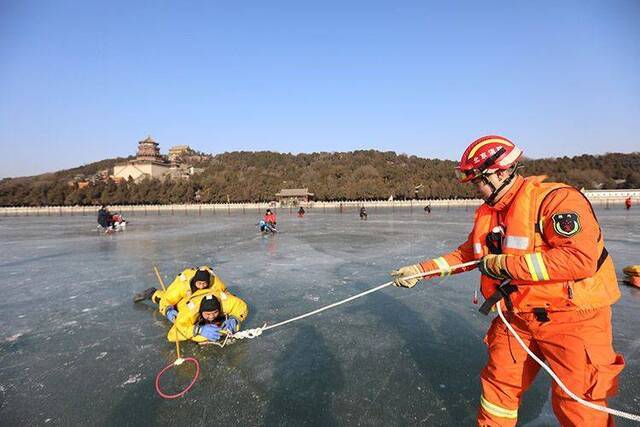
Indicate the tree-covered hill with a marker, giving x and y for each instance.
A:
(257, 176)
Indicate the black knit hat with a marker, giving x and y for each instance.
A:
(209, 303)
(203, 275)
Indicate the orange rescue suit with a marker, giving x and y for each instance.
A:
(557, 260)
(552, 270)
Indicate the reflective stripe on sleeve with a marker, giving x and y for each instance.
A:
(477, 249)
(516, 242)
(443, 265)
(537, 269)
(496, 410)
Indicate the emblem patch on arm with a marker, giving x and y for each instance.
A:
(566, 224)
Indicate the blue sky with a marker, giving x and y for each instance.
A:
(82, 81)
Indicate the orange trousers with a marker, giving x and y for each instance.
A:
(577, 346)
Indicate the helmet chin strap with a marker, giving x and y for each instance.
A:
(491, 200)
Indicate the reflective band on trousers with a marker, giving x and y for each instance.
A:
(496, 410)
(516, 242)
(443, 265)
(536, 267)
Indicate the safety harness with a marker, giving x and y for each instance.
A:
(503, 292)
(506, 288)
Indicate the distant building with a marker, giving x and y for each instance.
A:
(177, 152)
(149, 163)
(101, 175)
(83, 180)
(293, 196)
(179, 171)
(194, 171)
(149, 150)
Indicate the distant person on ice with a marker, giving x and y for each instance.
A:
(541, 253)
(117, 221)
(363, 213)
(427, 209)
(627, 203)
(268, 223)
(104, 217)
(270, 218)
(301, 212)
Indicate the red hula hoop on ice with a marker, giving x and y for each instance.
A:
(182, 393)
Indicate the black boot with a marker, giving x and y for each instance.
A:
(144, 295)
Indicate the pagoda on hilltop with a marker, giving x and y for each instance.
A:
(149, 163)
(148, 150)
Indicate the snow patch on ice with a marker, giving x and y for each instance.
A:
(14, 337)
(132, 379)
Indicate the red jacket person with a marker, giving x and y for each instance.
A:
(270, 217)
(542, 241)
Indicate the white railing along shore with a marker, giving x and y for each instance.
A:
(599, 198)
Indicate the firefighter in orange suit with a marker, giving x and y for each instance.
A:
(541, 254)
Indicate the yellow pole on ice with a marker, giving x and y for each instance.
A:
(179, 359)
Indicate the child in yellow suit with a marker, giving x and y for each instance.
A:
(199, 305)
(207, 316)
(185, 285)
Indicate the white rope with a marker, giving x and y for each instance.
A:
(255, 332)
(557, 380)
(249, 333)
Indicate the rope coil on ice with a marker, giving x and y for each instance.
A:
(179, 361)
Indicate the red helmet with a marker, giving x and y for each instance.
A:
(487, 155)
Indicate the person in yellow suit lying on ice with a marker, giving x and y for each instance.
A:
(186, 284)
(207, 316)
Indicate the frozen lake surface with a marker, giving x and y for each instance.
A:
(74, 349)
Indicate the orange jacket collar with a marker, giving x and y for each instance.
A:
(508, 197)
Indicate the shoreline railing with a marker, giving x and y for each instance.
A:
(599, 198)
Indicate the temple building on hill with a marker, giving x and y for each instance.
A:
(293, 196)
(149, 163)
(177, 152)
(148, 150)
